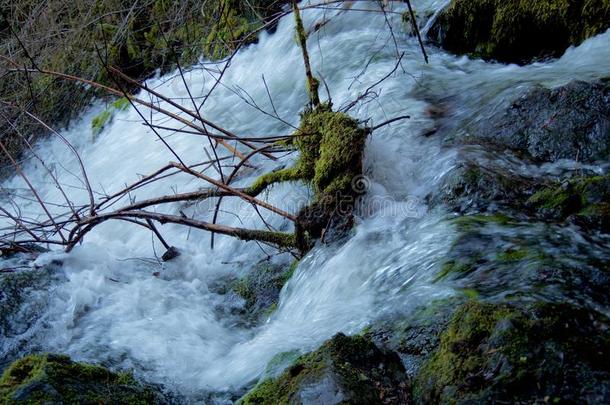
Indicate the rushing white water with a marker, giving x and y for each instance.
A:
(111, 309)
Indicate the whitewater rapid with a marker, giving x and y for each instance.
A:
(109, 307)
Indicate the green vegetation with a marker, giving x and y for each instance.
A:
(48, 378)
(79, 38)
(519, 31)
(585, 198)
(353, 366)
(261, 287)
(331, 145)
(501, 352)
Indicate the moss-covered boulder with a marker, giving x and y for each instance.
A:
(55, 379)
(502, 353)
(343, 370)
(519, 31)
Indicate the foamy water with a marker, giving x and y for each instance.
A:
(111, 309)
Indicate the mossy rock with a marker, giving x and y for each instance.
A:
(504, 257)
(583, 200)
(343, 370)
(505, 353)
(261, 288)
(416, 335)
(49, 378)
(519, 31)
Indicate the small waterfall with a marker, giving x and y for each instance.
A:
(107, 306)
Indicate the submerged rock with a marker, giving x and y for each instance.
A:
(24, 296)
(503, 353)
(518, 31)
(261, 287)
(567, 122)
(343, 370)
(55, 379)
(470, 188)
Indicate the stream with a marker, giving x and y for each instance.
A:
(103, 304)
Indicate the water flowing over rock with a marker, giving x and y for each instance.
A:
(474, 266)
(567, 122)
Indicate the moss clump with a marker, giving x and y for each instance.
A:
(518, 30)
(501, 352)
(583, 198)
(353, 368)
(331, 145)
(99, 122)
(49, 378)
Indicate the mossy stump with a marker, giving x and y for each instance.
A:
(331, 146)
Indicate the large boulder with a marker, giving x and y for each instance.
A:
(504, 353)
(519, 31)
(55, 379)
(343, 370)
(567, 122)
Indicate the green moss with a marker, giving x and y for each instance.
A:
(505, 353)
(455, 267)
(362, 372)
(468, 223)
(268, 179)
(460, 354)
(331, 145)
(231, 28)
(517, 30)
(549, 198)
(583, 196)
(100, 121)
(48, 378)
(514, 255)
(261, 287)
(121, 104)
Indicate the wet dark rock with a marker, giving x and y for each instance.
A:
(499, 257)
(538, 353)
(261, 287)
(518, 31)
(470, 188)
(24, 295)
(417, 335)
(584, 201)
(343, 370)
(49, 378)
(567, 122)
